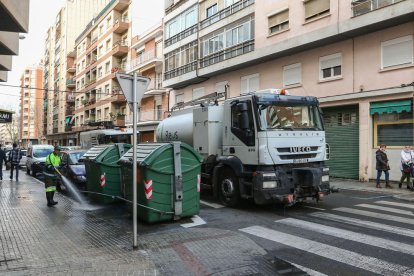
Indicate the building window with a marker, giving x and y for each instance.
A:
(221, 87)
(330, 66)
(181, 22)
(100, 72)
(107, 67)
(98, 115)
(394, 128)
(107, 45)
(190, 19)
(316, 8)
(249, 83)
(198, 92)
(279, 21)
(106, 113)
(179, 98)
(211, 10)
(228, 3)
(107, 89)
(101, 29)
(397, 51)
(292, 74)
(100, 50)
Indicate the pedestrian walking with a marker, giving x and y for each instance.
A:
(2, 159)
(51, 178)
(382, 166)
(15, 156)
(406, 166)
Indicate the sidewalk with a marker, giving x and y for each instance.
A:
(402, 194)
(65, 239)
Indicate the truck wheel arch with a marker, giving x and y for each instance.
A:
(231, 162)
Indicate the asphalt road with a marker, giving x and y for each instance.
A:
(348, 233)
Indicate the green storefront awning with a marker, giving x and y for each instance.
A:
(392, 106)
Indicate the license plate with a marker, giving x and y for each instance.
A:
(301, 160)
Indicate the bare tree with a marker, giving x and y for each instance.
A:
(13, 129)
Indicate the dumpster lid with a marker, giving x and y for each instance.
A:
(143, 151)
(95, 151)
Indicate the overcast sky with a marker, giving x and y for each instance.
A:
(42, 15)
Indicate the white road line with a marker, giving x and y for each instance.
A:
(330, 252)
(375, 215)
(405, 205)
(367, 224)
(213, 205)
(350, 235)
(196, 222)
(310, 207)
(309, 271)
(387, 209)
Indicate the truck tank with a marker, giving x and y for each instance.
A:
(178, 127)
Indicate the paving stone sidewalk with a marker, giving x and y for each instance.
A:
(68, 240)
(402, 194)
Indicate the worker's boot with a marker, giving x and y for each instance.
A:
(51, 199)
(378, 186)
(387, 185)
(48, 198)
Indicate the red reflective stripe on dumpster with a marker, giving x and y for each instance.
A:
(148, 189)
(198, 182)
(103, 180)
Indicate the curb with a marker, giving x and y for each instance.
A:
(400, 196)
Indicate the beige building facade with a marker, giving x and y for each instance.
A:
(355, 56)
(31, 106)
(59, 43)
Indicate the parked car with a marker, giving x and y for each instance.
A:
(73, 168)
(24, 158)
(66, 148)
(36, 158)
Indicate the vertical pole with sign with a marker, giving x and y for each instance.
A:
(133, 88)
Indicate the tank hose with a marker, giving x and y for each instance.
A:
(124, 199)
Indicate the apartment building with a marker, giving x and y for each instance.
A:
(31, 106)
(102, 51)
(59, 43)
(355, 56)
(146, 60)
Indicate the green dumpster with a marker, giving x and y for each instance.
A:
(168, 181)
(103, 174)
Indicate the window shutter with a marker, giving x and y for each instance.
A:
(254, 83)
(292, 74)
(313, 7)
(243, 86)
(330, 61)
(278, 18)
(198, 92)
(397, 53)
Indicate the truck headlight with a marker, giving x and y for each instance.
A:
(269, 184)
(325, 178)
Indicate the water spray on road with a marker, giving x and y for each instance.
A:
(72, 189)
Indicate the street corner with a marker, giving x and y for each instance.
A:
(205, 251)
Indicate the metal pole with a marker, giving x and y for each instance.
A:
(134, 163)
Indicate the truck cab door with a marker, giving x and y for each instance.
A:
(240, 136)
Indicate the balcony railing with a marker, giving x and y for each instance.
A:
(152, 115)
(70, 83)
(239, 5)
(181, 70)
(146, 57)
(181, 35)
(231, 52)
(360, 7)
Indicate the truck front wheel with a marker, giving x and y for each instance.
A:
(229, 191)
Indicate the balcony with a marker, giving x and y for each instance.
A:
(181, 70)
(71, 70)
(121, 26)
(69, 110)
(180, 36)
(117, 98)
(70, 83)
(239, 5)
(70, 98)
(120, 49)
(149, 115)
(154, 88)
(147, 58)
(68, 128)
(360, 7)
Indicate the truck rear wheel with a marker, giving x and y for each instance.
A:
(229, 191)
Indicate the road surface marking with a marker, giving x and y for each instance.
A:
(375, 215)
(311, 272)
(330, 252)
(368, 224)
(349, 235)
(310, 207)
(196, 222)
(405, 205)
(387, 209)
(213, 205)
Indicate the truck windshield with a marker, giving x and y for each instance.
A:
(289, 117)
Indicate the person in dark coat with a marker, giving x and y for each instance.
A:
(382, 166)
(2, 158)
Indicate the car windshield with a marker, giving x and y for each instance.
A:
(291, 117)
(75, 156)
(40, 153)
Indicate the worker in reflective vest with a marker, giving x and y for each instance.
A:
(51, 178)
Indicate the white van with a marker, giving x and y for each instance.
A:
(36, 158)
